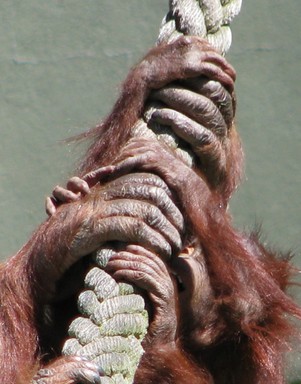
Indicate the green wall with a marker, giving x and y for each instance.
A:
(61, 63)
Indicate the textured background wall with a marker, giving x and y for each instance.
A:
(61, 62)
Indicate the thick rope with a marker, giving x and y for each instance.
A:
(113, 319)
(209, 19)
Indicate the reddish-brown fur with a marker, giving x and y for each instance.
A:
(243, 335)
(245, 348)
(22, 297)
(239, 332)
(164, 64)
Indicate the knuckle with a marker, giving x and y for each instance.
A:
(56, 189)
(185, 40)
(139, 229)
(160, 194)
(74, 179)
(152, 215)
(139, 275)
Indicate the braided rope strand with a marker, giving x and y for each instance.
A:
(208, 19)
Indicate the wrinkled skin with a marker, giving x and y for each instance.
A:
(228, 286)
(72, 369)
(122, 210)
(179, 286)
(146, 270)
(206, 299)
(200, 110)
(178, 289)
(111, 214)
(217, 296)
(148, 156)
(205, 128)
